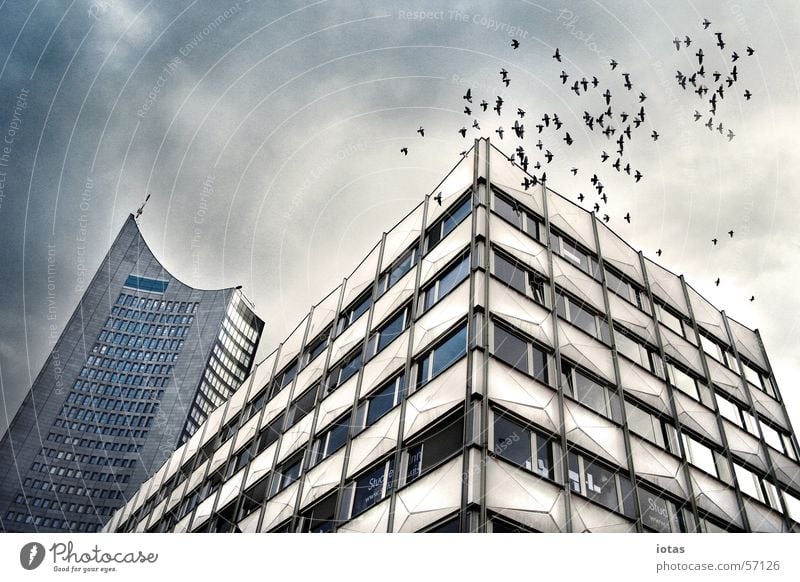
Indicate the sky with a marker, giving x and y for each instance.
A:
(269, 133)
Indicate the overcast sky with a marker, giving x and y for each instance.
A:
(269, 137)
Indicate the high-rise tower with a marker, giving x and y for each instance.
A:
(500, 361)
(139, 366)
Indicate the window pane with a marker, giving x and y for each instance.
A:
(450, 351)
(454, 275)
(337, 436)
(511, 349)
(600, 484)
(350, 367)
(544, 457)
(627, 347)
(382, 402)
(512, 442)
(444, 442)
(617, 285)
(392, 330)
(369, 488)
(699, 455)
(507, 211)
(644, 424)
(590, 394)
(729, 410)
(583, 319)
(402, 267)
(571, 252)
(574, 474)
(655, 514)
(456, 216)
(748, 482)
(510, 273)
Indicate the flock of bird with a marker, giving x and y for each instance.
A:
(613, 122)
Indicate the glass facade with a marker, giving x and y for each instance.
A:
(517, 368)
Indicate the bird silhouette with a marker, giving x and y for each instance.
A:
(438, 198)
(720, 42)
(613, 64)
(404, 151)
(549, 156)
(520, 112)
(627, 217)
(713, 240)
(557, 56)
(421, 131)
(498, 105)
(730, 135)
(628, 85)
(654, 135)
(514, 43)
(463, 132)
(563, 76)
(734, 56)
(476, 125)
(747, 94)
(687, 41)
(568, 139)
(596, 207)
(730, 232)
(677, 43)
(499, 131)
(752, 298)
(750, 51)
(699, 55)
(484, 105)
(717, 282)
(606, 218)
(706, 24)
(604, 198)
(581, 197)
(467, 110)
(468, 96)
(519, 130)
(658, 252)
(638, 175)
(697, 115)
(642, 97)
(574, 171)
(603, 157)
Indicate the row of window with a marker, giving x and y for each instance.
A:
(93, 444)
(144, 303)
(117, 391)
(152, 317)
(79, 490)
(79, 474)
(103, 430)
(101, 460)
(52, 522)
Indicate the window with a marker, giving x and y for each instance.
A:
(355, 310)
(759, 379)
(319, 518)
(714, 349)
(659, 513)
(519, 353)
(606, 486)
(569, 250)
(316, 347)
(343, 371)
(330, 441)
(397, 270)
(670, 320)
(516, 276)
(728, 409)
(367, 490)
(522, 446)
(445, 282)
(447, 223)
(689, 385)
(618, 285)
(302, 405)
(590, 392)
(637, 351)
(287, 473)
(521, 218)
(792, 505)
(253, 497)
(651, 427)
(436, 445)
(388, 331)
(756, 486)
(269, 434)
(437, 359)
(284, 378)
(582, 317)
(381, 401)
(700, 455)
(239, 460)
(254, 406)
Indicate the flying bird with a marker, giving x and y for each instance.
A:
(467, 110)
(677, 43)
(604, 156)
(687, 41)
(720, 42)
(699, 55)
(520, 112)
(468, 96)
(574, 171)
(717, 282)
(734, 56)
(514, 43)
(706, 23)
(730, 135)
(557, 56)
(730, 232)
(438, 198)
(713, 240)
(404, 151)
(563, 76)
(463, 132)
(627, 217)
(658, 252)
(750, 51)
(627, 83)
(568, 139)
(606, 218)
(638, 175)
(752, 298)
(499, 131)
(747, 94)
(613, 64)
(421, 131)
(642, 97)
(654, 135)
(581, 197)
(697, 115)
(484, 105)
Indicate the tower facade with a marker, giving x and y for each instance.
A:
(139, 366)
(500, 361)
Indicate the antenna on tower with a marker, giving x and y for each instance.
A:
(141, 208)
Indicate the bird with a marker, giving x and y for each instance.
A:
(574, 171)
(421, 131)
(519, 130)
(549, 156)
(595, 82)
(719, 127)
(498, 105)
(604, 156)
(514, 43)
(616, 165)
(642, 97)
(747, 94)
(713, 240)
(463, 132)
(404, 151)
(750, 51)
(699, 55)
(627, 83)
(438, 198)
(581, 197)
(520, 112)
(752, 298)
(476, 125)
(563, 76)
(730, 135)
(697, 115)
(468, 96)
(720, 42)
(717, 282)
(596, 207)
(607, 96)
(730, 232)
(654, 135)
(606, 218)
(604, 198)
(568, 139)
(687, 41)
(658, 252)
(613, 64)
(507, 81)
(467, 110)
(499, 131)
(557, 56)
(484, 105)
(638, 175)
(627, 217)
(677, 43)
(706, 23)
(734, 56)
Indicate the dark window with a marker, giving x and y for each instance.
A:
(440, 442)
(606, 486)
(389, 331)
(651, 427)
(522, 446)
(253, 497)
(445, 282)
(319, 518)
(519, 353)
(302, 406)
(437, 359)
(370, 488)
(269, 434)
(445, 225)
(356, 309)
(514, 213)
(316, 347)
(582, 317)
(284, 378)
(343, 371)
(380, 402)
(590, 392)
(397, 270)
(287, 473)
(145, 284)
(510, 272)
(331, 440)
